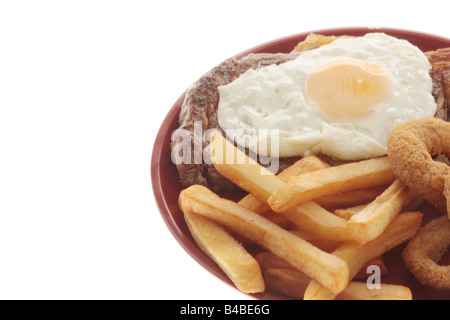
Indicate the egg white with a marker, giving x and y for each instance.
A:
(273, 99)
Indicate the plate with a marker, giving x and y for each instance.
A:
(166, 185)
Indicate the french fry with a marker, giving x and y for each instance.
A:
(327, 269)
(357, 254)
(351, 198)
(370, 222)
(316, 220)
(360, 291)
(252, 203)
(242, 269)
(379, 262)
(306, 164)
(277, 218)
(293, 283)
(347, 177)
(251, 177)
(347, 213)
(290, 282)
(319, 242)
(245, 172)
(267, 260)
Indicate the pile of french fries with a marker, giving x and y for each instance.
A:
(319, 227)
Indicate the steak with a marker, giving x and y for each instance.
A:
(440, 75)
(202, 98)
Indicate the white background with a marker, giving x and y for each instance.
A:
(84, 87)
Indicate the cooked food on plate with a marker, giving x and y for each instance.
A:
(334, 147)
(392, 79)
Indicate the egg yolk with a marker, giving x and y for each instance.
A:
(348, 88)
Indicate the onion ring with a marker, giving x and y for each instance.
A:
(425, 249)
(447, 194)
(411, 146)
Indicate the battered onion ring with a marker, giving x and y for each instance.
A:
(411, 146)
(447, 194)
(425, 249)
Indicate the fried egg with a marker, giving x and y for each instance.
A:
(341, 99)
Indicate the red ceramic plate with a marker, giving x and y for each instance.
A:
(167, 188)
